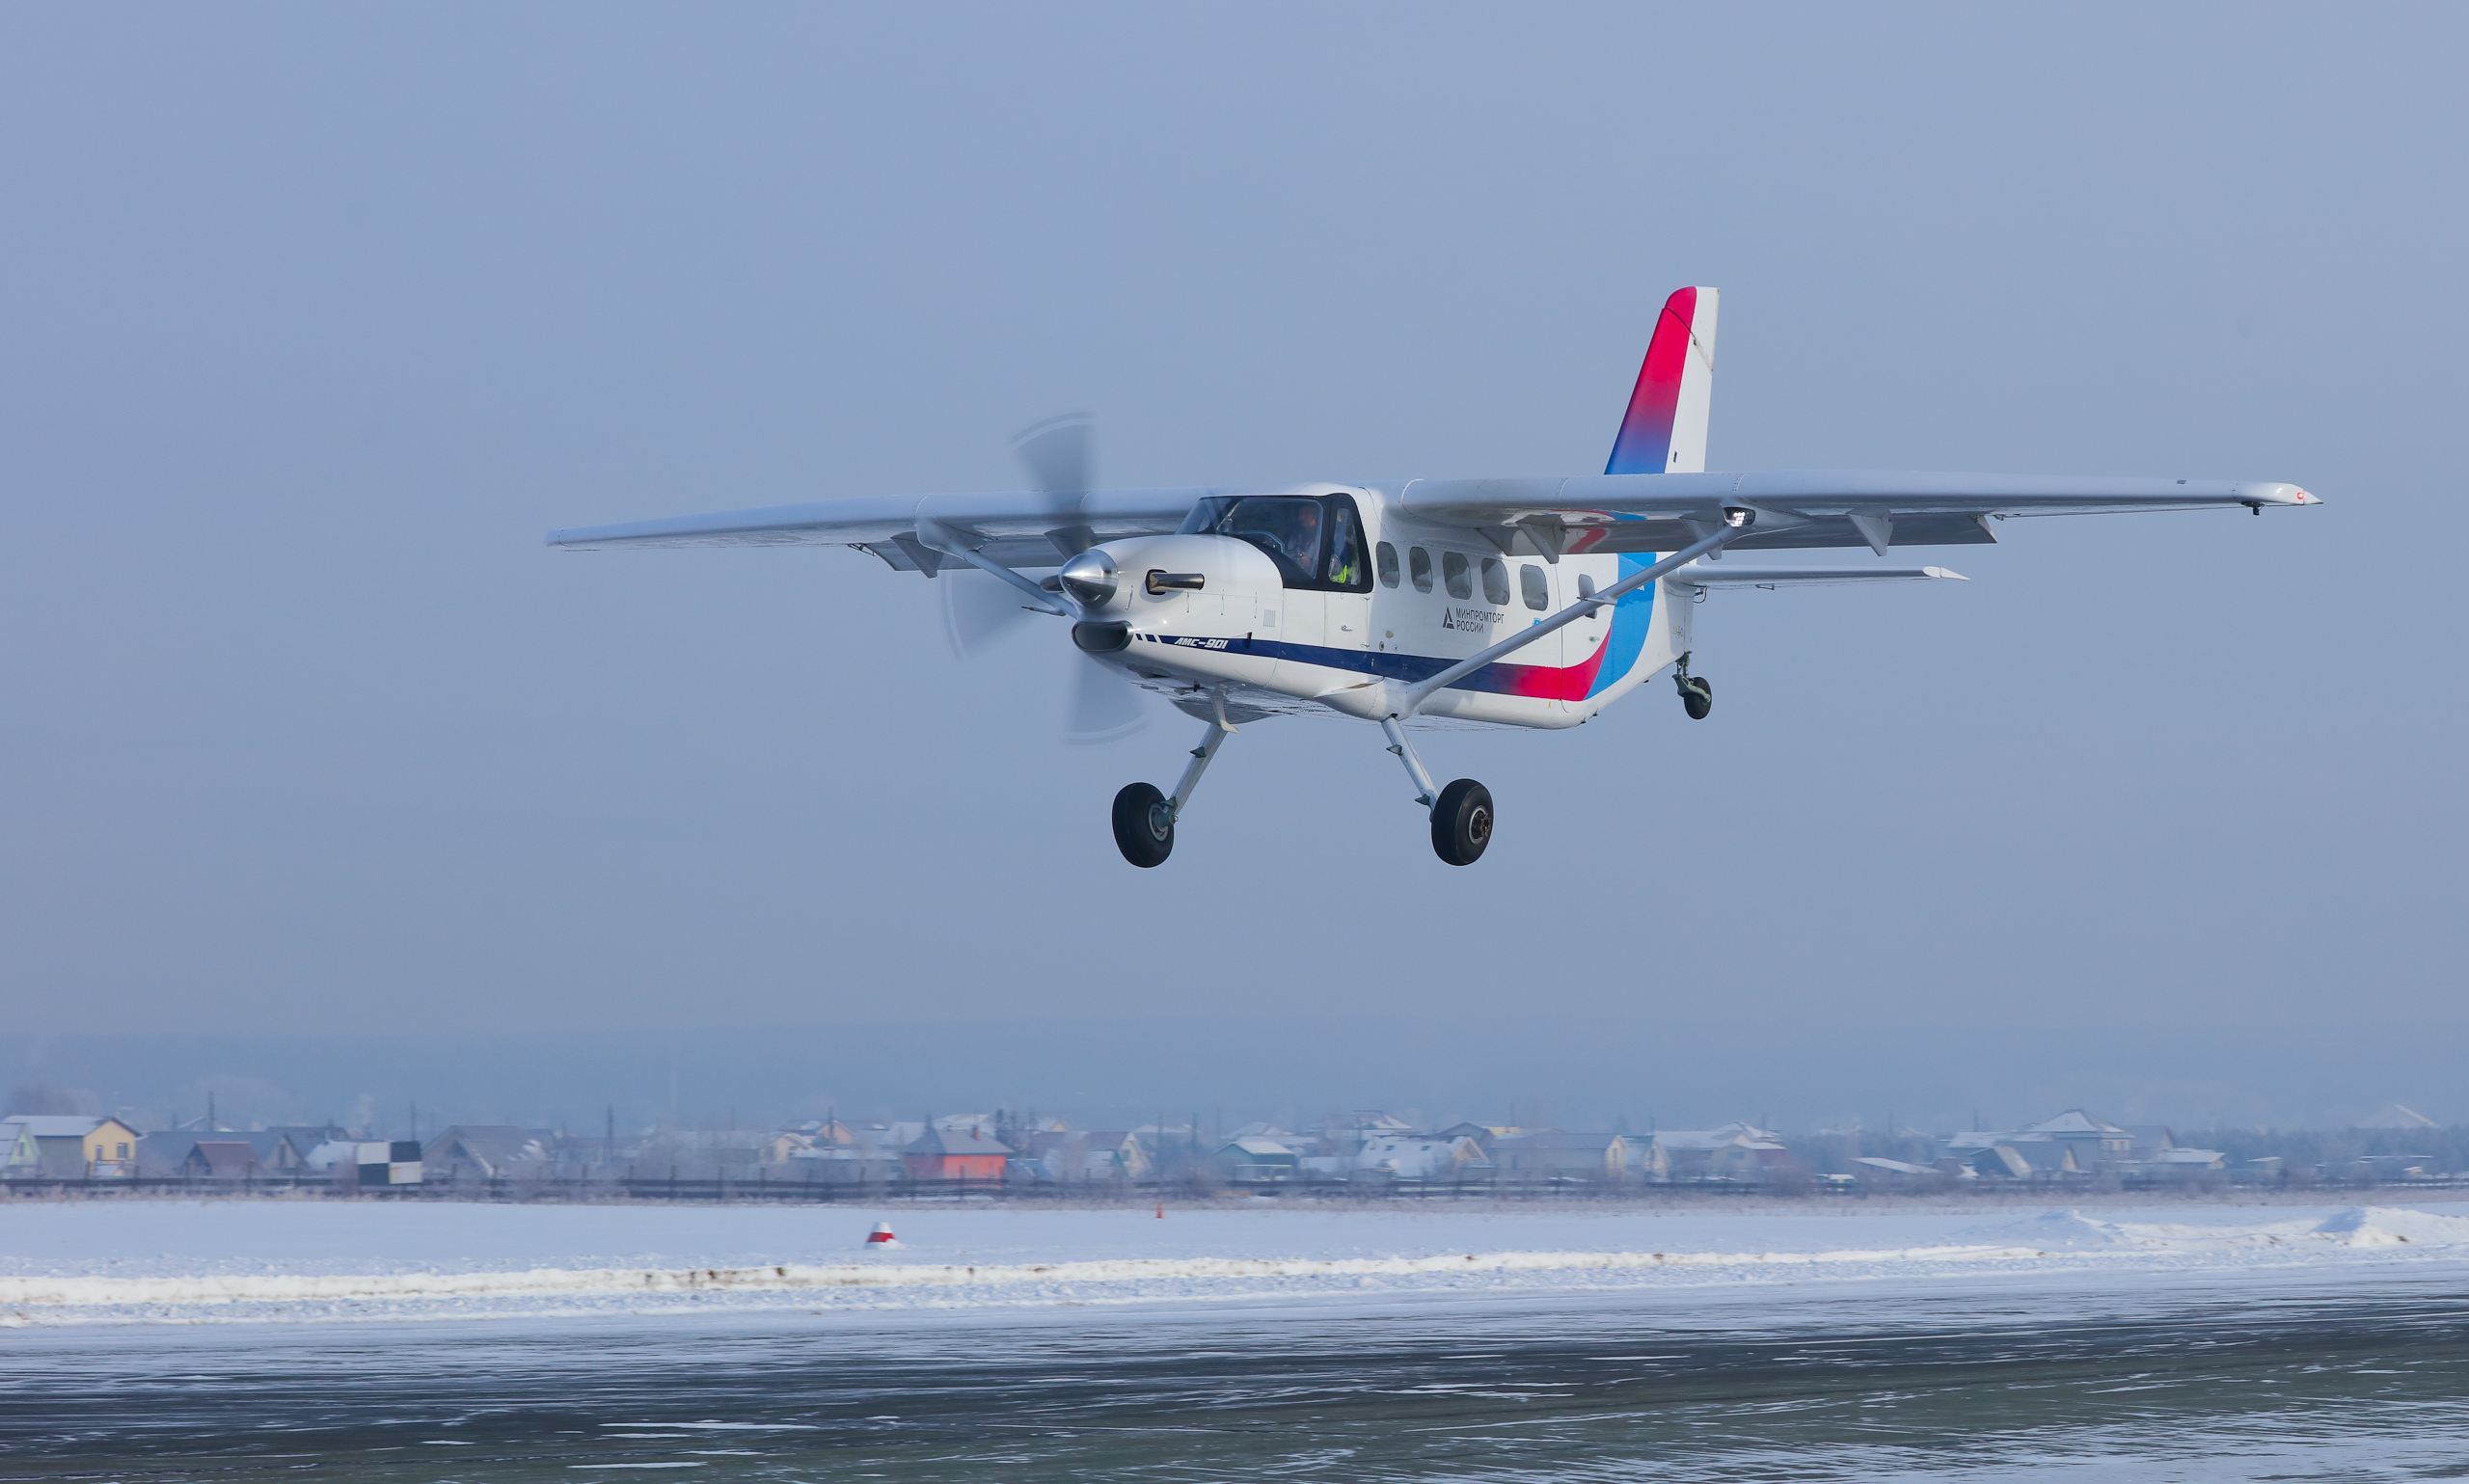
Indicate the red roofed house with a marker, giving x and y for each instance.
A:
(955, 1155)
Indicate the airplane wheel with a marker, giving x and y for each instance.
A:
(1144, 831)
(1696, 697)
(1462, 822)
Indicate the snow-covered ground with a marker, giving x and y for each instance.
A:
(131, 1262)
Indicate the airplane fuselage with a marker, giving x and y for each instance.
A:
(1269, 624)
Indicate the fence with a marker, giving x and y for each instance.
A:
(724, 1189)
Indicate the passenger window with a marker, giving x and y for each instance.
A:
(1452, 571)
(1495, 582)
(1419, 566)
(1384, 557)
(1530, 582)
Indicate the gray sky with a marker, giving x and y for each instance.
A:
(312, 318)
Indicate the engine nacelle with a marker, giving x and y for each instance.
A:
(1160, 570)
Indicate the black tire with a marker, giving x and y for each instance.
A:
(1142, 830)
(1462, 822)
(1696, 697)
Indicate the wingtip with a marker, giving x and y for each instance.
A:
(1947, 573)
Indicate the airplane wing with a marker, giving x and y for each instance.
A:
(1015, 525)
(1731, 575)
(1801, 507)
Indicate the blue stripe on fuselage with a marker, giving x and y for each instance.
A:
(1630, 617)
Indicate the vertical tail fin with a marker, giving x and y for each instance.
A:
(1665, 431)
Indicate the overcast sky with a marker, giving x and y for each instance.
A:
(312, 318)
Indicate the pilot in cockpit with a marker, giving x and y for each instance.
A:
(1300, 535)
(1288, 528)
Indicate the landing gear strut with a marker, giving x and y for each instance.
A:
(1696, 697)
(1145, 819)
(1462, 814)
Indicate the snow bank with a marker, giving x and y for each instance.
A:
(2361, 1225)
(276, 1262)
(780, 1278)
(2375, 1225)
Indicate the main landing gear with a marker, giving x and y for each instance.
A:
(1696, 697)
(1462, 814)
(1462, 822)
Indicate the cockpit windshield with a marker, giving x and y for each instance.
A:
(1293, 530)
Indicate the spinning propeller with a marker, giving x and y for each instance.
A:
(980, 611)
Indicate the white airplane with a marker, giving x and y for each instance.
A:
(1531, 602)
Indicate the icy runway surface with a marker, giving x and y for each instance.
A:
(2355, 1372)
(2207, 1342)
(79, 1263)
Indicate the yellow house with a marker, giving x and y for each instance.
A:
(113, 1143)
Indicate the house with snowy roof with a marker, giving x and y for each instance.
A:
(2189, 1161)
(1343, 1133)
(1421, 1157)
(1258, 1157)
(1085, 1155)
(1894, 1173)
(2078, 1145)
(1730, 1151)
(487, 1151)
(2094, 1141)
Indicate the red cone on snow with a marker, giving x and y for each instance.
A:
(881, 1237)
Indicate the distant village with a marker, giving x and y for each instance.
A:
(1363, 1151)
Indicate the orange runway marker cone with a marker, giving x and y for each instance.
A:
(881, 1238)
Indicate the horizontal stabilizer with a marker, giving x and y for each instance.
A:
(1731, 576)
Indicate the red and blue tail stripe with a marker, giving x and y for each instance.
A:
(1644, 444)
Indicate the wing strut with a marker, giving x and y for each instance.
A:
(937, 536)
(1737, 521)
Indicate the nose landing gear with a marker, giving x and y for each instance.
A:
(1144, 818)
(1144, 824)
(1696, 697)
